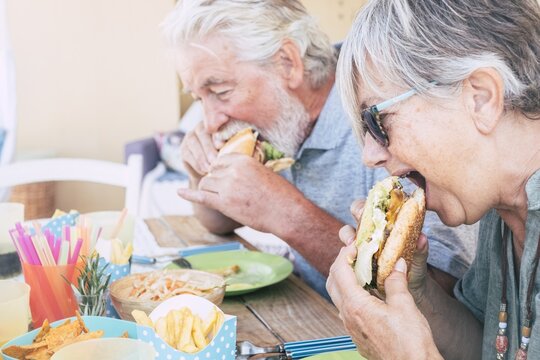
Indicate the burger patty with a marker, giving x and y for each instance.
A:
(374, 267)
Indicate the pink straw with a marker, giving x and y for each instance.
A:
(26, 245)
(68, 233)
(76, 250)
(50, 239)
(33, 251)
(29, 250)
(53, 244)
(56, 249)
(20, 229)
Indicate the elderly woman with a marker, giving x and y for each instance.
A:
(448, 93)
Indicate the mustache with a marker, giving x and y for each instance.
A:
(231, 128)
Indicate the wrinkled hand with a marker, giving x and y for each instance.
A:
(198, 152)
(246, 191)
(390, 329)
(418, 271)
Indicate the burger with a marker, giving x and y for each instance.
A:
(389, 229)
(246, 142)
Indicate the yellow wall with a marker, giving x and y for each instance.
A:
(91, 75)
(335, 16)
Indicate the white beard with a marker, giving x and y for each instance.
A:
(288, 131)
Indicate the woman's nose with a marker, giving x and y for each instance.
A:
(373, 154)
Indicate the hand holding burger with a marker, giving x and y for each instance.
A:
(397, 313)
(389, 229)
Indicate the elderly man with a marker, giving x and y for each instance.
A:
(266, 65)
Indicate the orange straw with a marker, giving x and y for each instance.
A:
(116, 230)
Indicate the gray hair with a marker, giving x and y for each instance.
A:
(414, 42)
(257, 29)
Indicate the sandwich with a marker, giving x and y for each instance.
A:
(389, 229)
(246, 142)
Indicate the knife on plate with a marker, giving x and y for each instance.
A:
(193, 250)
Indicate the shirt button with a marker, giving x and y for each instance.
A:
(298, 166)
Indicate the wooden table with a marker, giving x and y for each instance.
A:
(287, 311)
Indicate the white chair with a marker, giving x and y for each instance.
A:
(128, 176)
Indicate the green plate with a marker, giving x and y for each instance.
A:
(337, 355)
(257, 269)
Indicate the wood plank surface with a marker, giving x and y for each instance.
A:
(295, 312)
(248, 326)
(164, 235)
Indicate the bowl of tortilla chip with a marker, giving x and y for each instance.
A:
(107, 349)
(145, 291)
(44, 342)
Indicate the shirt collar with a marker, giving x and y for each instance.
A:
(533, 191)
(329, 129)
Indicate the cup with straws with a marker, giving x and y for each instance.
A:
(49, 260)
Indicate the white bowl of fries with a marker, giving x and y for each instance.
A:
(188, 327)
(145, 291)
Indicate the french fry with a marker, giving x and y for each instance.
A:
(209, 324)
(141, 318)
(185, 335)
(126, 254)
(116, 253)
(179, 321)
(171, 329)
(161, 328)
(189, 348)
(184, 330)
(217, 323)
(198, 337)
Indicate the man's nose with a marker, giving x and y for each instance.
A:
(214, 117)
(373, 154)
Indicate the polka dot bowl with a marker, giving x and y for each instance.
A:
(222, 346)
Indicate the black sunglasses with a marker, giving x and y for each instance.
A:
(373, 125)
(372, 121)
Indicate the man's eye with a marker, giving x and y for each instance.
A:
(223, 94)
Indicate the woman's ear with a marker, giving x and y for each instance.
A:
(484, 97)
(290, 64)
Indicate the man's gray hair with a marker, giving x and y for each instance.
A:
(409, 43)
(257, 29)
